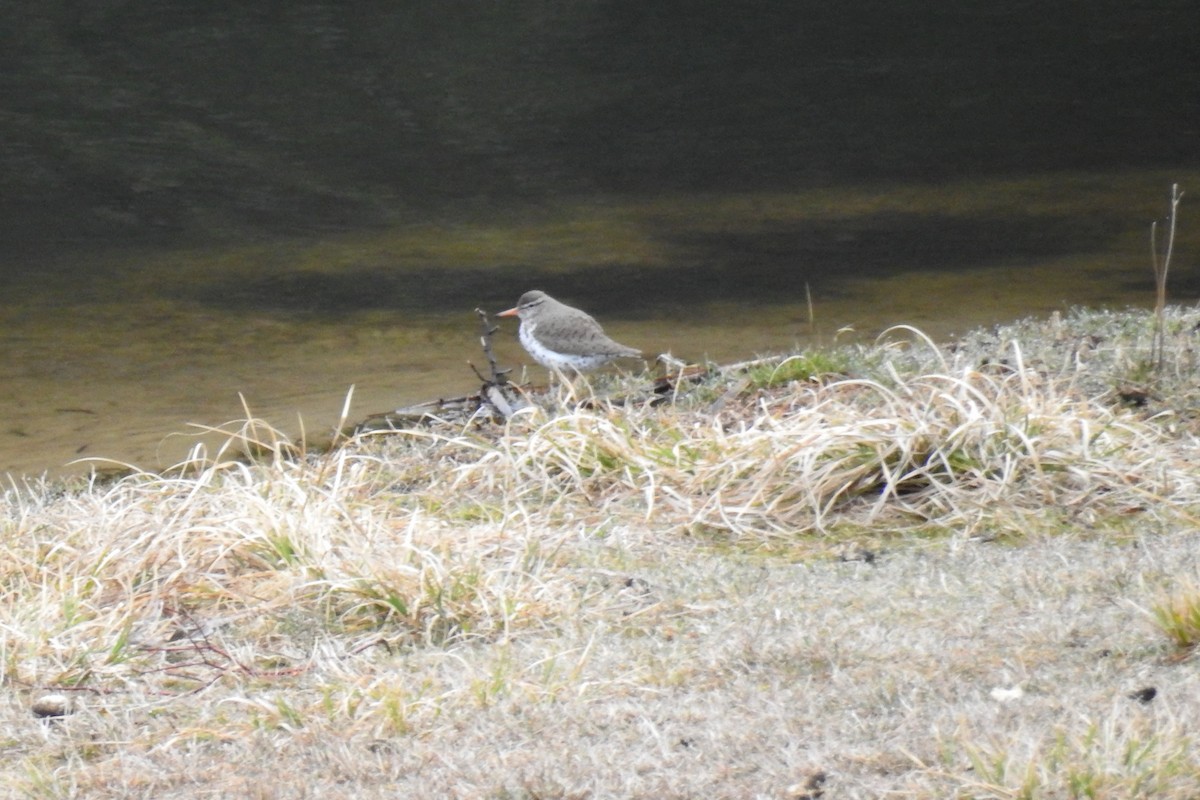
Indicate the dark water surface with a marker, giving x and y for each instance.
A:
(282, 200)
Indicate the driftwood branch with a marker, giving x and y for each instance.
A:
(496, 397)
(499, 377)
(499, 398)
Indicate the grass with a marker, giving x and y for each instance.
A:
(1178, 616)
(799, 367)
(895, 570)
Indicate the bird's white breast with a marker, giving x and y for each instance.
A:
(553, 360)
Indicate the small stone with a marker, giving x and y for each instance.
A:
(51, 705)
(811, 788)
(855, 552)
(1002, 695)
(1145, 695)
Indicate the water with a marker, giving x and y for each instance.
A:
(283, 203)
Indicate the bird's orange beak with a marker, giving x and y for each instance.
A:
(512, 312)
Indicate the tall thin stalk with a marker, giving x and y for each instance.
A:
(1160, 277)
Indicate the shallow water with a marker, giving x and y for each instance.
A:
(284, 200)
(122, 366)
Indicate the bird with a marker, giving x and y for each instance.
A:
(560, 337)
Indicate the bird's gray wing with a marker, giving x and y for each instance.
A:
(578, 334)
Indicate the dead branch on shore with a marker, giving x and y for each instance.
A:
(499, 398)
(499, 377)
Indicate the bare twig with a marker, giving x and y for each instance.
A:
(812, 316)
(210, 656)
(499, 377)
(1160, 277)
(496, 394)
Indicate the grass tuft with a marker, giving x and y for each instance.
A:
(905, 568)
(803, 367)
(1178, 617)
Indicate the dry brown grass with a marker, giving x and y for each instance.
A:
(925, 577)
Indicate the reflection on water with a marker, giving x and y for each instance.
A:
(119, 372)
(284, 199)
(751, 265)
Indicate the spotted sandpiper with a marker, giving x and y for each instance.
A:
(563, 338)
